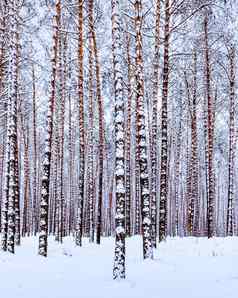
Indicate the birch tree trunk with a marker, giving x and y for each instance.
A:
(11, 187)
(154, 138)
(141, 137)
(164, 128)
(230, 207)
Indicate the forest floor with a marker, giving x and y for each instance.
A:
(182, 268)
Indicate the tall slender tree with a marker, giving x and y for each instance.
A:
(79, 203)
(164, 129)
(101, 140)
(128, 180)
(210, 121)
(11, 185)
(119, 271)
(141, 137)
(230, 207)
(154, 137)
(45, 183)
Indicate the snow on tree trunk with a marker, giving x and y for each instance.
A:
(101, 141)
(35, 164)
(192, 189)
(230, 207)
(91, 125)
(26, 206)
(177, 171)
(79, 203)
(62, 73)
(164, 130)
(45, 183)
(194, 141)
(11, 185)
(154, 137)
(141, 137)
(128, 180)
(210, 123)
(119, 258)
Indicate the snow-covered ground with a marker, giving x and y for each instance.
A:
(183, 268)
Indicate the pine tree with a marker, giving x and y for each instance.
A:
(193, 163)
(101, 140)
(61, 102)
(210, 123)
(35, 164)
(45, 187)
(90, 178)
(26, 207)
(79, 203)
